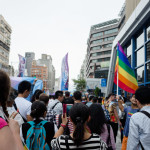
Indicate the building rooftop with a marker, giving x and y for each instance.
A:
(104, 24)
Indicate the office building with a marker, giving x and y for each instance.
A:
(5, 37)
(99, 48)
(40, 72)
(47, 61)
(134, 37)
(30, 56)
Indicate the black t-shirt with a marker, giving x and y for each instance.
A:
(68, 100)
(49, 128)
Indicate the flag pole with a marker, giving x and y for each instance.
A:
(117, 81)
(117, 72)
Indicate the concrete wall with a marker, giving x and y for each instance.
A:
(130, 7)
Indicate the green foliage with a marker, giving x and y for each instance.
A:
(96, 91)
(79, 84)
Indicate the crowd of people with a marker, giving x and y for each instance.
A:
(71, 122)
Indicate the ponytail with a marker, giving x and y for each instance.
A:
(3, 104)
(79, 114)
(78, 134)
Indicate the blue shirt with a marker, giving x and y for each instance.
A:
(89, 103)
(139, 130)
(129, 112)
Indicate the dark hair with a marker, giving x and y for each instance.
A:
(98, 119)
(23, 86)
(4, 90)
(13, 94)
(77, 95)
(33, 96)
(111, 94)
(99, 100)
(37, 95)
(79, 114)
(67, 94)
(44, 98)
(58, 93)
(91, 97)
(142, 94)
(95, 99)
(37, 109)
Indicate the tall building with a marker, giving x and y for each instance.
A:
(30, 56)
(99, 48)
(134, 37)
(40, 72)
(5, 37)
(47, 61)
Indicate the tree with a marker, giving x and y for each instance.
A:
(97, 91)
(79, 84)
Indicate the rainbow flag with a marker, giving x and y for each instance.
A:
(126, 76)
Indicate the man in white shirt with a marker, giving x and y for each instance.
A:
(24, 106)
(139, 128)
(56, 104)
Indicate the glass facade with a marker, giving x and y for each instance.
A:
(140, 75)
(137, 50)
(111, 31)
(97, 34)
(139, 40)
(140, 57)
(148, 51)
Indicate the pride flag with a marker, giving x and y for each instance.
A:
(126, 76)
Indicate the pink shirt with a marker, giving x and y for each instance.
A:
(3, 123)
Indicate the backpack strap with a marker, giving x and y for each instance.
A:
(54, 105)
(146, 113)
(15, 106)
(59, 120)
(108, 128)
(66, 141)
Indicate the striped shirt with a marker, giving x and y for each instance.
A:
(93, 143)
(70, 124)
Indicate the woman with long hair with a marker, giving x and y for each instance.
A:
(9, 135)
(80, 138)
(98, 124)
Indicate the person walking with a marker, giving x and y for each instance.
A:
(37, 134)
(98, 124)
(129, 111)
(139, 128)
(21, 104)
(56, 104)
(80, 138)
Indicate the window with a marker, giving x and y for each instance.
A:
(148, 51)
(111, 31)
(148, 72)
(97, 41)
(107, 45)
(139, 40)
(129, 52)
(140, 74)
(140, 57)
(94, 54)
(96, 48)
(148, 32)
(97, 34)
(94, 61)
(109, 38)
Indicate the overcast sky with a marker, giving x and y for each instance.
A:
(55, 27)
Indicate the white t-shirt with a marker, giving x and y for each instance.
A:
(24, 106)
